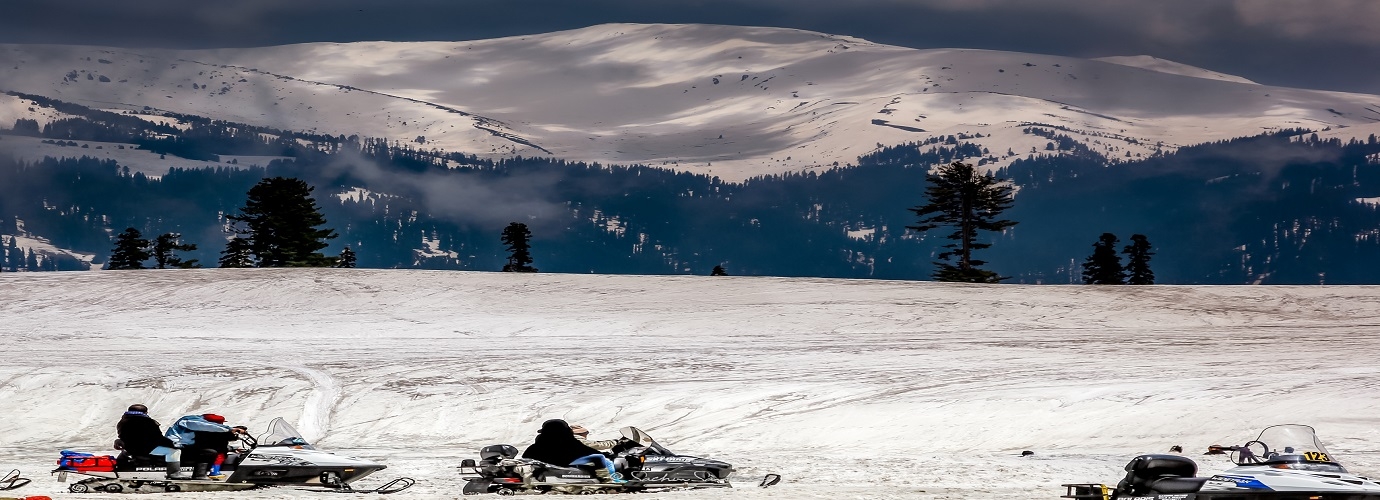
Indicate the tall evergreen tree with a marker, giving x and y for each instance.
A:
(165, 247)
(282, 220)
(1103, 267)
(236, 254)
(16, 255)
(130, 252)
(346, 259)
(969, 202)
(516, 236)
(718, 271)
(1138, 261)
(31, 262)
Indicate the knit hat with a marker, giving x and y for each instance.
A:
(211, 417)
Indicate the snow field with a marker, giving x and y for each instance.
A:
(848, 388)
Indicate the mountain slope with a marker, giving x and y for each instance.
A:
(1164, 66)
(724, 100)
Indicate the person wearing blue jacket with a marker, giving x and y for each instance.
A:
(184, 431)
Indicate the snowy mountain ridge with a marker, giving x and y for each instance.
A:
(719, 100)
(1153, 63)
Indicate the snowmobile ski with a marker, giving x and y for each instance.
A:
(388, 488)
(769, 480)
(13, 481)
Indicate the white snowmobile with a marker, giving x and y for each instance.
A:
(279, 457)
(640, 460)
(1286, 462)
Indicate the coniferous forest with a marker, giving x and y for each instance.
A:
(1268, 209)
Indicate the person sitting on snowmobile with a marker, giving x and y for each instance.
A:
(582, 435)
(215, 445)
(140, 435)
(204, 437)
(556, 445)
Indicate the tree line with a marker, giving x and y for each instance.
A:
(278, 226)
(1289, 222)
(968, 202)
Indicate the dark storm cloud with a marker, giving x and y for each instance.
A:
(1329, 44)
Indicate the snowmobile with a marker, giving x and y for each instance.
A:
(280, 457)
(1286, 462)
(645, 464)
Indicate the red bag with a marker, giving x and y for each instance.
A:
(101, 463)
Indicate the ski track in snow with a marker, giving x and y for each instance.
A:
(316, 414)
(848, 388)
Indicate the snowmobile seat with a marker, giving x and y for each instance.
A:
(128, 461)
(493, 454)
(1145, 472)
(1177, 484)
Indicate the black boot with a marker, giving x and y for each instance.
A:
(199, 472)
(175, 471)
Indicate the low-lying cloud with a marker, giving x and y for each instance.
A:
(486, 202)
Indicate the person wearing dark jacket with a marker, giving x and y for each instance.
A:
(556, 445)
(140, 435)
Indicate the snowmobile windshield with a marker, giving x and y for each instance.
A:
(1290, 446)
(280, 433)
(649, 445)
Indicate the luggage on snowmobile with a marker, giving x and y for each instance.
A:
(638, 459)
(1286, 462)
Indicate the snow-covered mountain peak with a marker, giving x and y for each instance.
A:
(729, 101)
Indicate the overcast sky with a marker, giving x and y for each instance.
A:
(1325, 44)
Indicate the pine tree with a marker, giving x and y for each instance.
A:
(236, 254)
(347, 259)
(164, 247)
(718, 271)
(1103, 267)
(1138, 261)
(130, 252)
(31, 261)
(969, 202)
(16, 255)
(516, 237)
(282, 220)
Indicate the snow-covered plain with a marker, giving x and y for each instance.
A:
(730, 101)
(849, 389)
